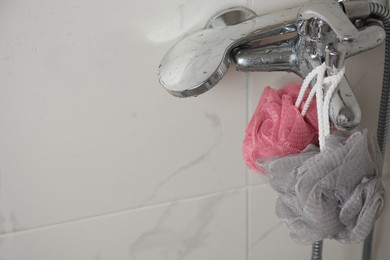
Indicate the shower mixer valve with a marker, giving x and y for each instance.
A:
(296, 40)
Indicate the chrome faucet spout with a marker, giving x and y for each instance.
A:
(295, 40)
(197, 62)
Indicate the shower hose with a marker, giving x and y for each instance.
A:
(379, 12)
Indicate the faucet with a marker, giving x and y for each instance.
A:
(296, 40)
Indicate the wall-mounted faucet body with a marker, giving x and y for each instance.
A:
(296, 40)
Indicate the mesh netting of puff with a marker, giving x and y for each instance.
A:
(277, 127)
(335, 193)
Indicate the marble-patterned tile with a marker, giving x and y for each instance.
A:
(269, 237)
(211, 227)
(86, 127)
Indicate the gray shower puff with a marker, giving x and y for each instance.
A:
(336, 193)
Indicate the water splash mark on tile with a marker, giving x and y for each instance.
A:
(216, 124)
(171, 244)
(265, 234)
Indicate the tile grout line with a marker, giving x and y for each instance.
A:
(248, 79)
(247, 224)
(117, 213)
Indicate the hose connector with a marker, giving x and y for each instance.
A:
(356, 9)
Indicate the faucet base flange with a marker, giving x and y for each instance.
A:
(230, 16)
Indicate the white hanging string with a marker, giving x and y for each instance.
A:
(316, 71)
(308, 101)
(333, 82)
(323, 103)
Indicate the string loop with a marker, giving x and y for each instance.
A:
(322, 98)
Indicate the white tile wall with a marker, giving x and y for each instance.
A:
(265, 229)
(211, 227)
(95, 131)
(97, 161)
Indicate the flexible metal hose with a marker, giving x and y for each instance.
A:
(379, 12)
(316, 250)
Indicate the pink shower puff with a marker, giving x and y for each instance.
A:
(277, 127)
